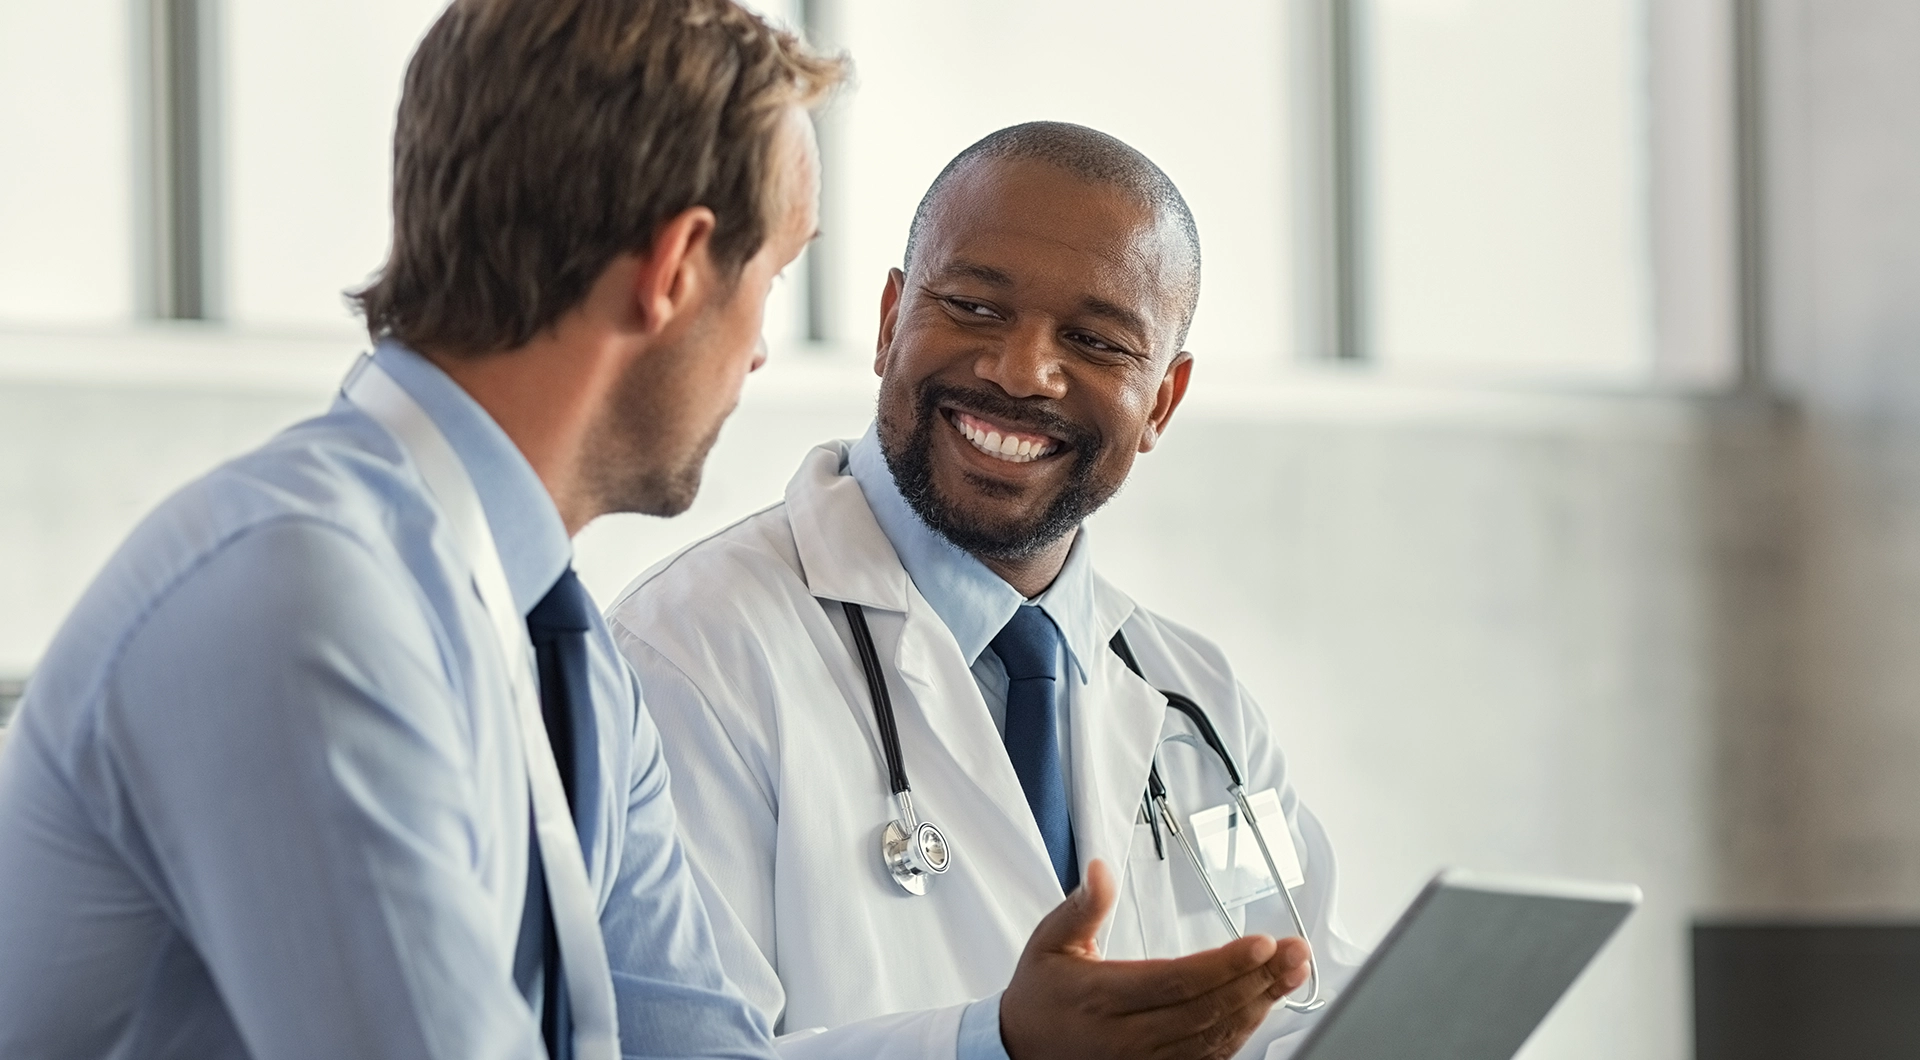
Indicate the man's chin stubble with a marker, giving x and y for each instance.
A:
(655, 491)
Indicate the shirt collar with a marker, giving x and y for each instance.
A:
(972, 601)
(526, 526)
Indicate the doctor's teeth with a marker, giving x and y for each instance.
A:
(1008, 447)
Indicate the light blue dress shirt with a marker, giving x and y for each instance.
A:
(262, 798)
(975, 604)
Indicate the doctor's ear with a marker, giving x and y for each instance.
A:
(1173, 388)
(676, 273)
(890, 296)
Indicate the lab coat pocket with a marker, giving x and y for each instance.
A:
(1145, 922)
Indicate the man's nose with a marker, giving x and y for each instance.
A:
(1028, 364)
(759, 353)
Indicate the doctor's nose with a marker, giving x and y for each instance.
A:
(759, 353)
(1026, 365)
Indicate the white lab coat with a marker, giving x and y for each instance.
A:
(748, 668)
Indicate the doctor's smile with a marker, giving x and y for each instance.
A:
(1001, 442)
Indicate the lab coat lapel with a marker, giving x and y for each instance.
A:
(951, 706)
(959, 770)
(1116, 722)
(844, 555)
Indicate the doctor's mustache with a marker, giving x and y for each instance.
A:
(1032, 414)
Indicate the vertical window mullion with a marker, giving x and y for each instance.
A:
(181, 208)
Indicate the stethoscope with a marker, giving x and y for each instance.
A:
(913, 850)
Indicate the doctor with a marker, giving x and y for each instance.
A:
(1030, 349)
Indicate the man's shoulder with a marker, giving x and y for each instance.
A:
(338, 475)
(326, 483)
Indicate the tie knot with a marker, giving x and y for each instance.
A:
(1029, 645)
(565, 609)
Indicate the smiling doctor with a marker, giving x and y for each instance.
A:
(918, 636)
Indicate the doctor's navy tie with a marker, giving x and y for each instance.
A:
(558, 626)
(1029, 647)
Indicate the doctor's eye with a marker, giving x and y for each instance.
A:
(972, 308)
(1098, 347)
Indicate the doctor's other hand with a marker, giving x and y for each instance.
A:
(1065, 1002)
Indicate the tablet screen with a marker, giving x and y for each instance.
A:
(1470, 969)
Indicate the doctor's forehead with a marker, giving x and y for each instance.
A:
(1021, 223)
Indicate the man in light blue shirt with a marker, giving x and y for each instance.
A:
(265, 795)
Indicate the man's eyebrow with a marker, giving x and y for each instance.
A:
(1119, 314)
(973, 270)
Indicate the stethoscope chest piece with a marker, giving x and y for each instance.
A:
(912, 852)
(910, 848)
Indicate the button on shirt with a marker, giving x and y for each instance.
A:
(263, 796)
(975, 604)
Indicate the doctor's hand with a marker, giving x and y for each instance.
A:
(1064, 1001)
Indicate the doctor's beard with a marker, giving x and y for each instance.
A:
(910, 460)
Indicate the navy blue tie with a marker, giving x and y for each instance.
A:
(1029, 647)
(558, 626)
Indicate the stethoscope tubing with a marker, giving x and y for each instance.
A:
(883, 717)
(1236, 789)
(1159, 814)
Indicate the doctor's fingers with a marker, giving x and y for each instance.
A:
(1141, 986)
(1215, 1024)
(1289, 966)
(1219, 1042)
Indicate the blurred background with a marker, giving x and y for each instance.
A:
(1551, 470)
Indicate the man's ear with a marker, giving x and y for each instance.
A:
(889, 318)
(1173, 387)
(677, 273)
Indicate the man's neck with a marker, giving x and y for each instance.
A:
(1030, 575)
(542, 395)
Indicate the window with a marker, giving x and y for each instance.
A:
(310, 92)
(66, 163)
(1506, 225)
(1203, 93)
(1490, 170)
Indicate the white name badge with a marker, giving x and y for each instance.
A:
(1232, 855)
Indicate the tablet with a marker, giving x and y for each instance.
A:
(1470, 969)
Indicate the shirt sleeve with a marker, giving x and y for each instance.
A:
(732, 851)
(286, 751)
(980, 1031)
(671, 986)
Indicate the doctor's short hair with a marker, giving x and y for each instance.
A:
(1095, 157)
(537, 140)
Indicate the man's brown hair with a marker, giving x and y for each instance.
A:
(539, 139)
